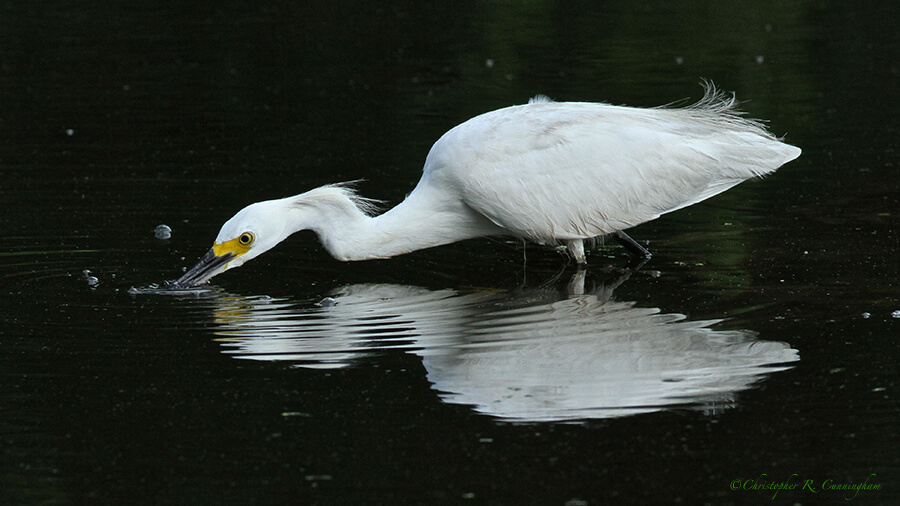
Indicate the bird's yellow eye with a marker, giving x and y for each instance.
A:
(246, 239)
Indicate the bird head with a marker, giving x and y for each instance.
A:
(258, 227)
(254, 230)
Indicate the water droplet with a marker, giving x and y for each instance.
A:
(866, 315)
(896, 314)
(489, 63)
(92, 281)
(70, 132)
(760, 59)
(162, 232)
(327, 302)
(679, 60)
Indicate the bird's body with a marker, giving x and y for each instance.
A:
(545, 171)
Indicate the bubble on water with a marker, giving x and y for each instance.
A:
(163, 232)
(679, 60)
(92, 281)
(327, 302)
(489, 63)
(760, 59)
(867, 315)
(70, 132)
(896, 314)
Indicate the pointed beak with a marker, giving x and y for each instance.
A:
(208, 266)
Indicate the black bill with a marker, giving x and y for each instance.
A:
(207, 267)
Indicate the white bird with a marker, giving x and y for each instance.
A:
(546, 171)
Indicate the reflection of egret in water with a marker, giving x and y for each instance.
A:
(528, 356)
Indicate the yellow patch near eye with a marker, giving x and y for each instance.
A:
(237, 246)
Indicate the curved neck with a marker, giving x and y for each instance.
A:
(423, 220)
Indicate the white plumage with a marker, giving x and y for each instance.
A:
(546, 171)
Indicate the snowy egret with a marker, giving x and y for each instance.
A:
(546, 171)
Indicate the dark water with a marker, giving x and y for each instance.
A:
(760, 343)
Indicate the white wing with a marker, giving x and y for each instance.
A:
(551, 170)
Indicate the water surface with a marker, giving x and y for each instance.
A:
(759, 340)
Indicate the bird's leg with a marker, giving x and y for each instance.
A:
(636, 263)
(641, 254)
(631, 245)
(576, 250)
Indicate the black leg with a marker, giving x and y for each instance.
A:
(636, 263)
(632, 246)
